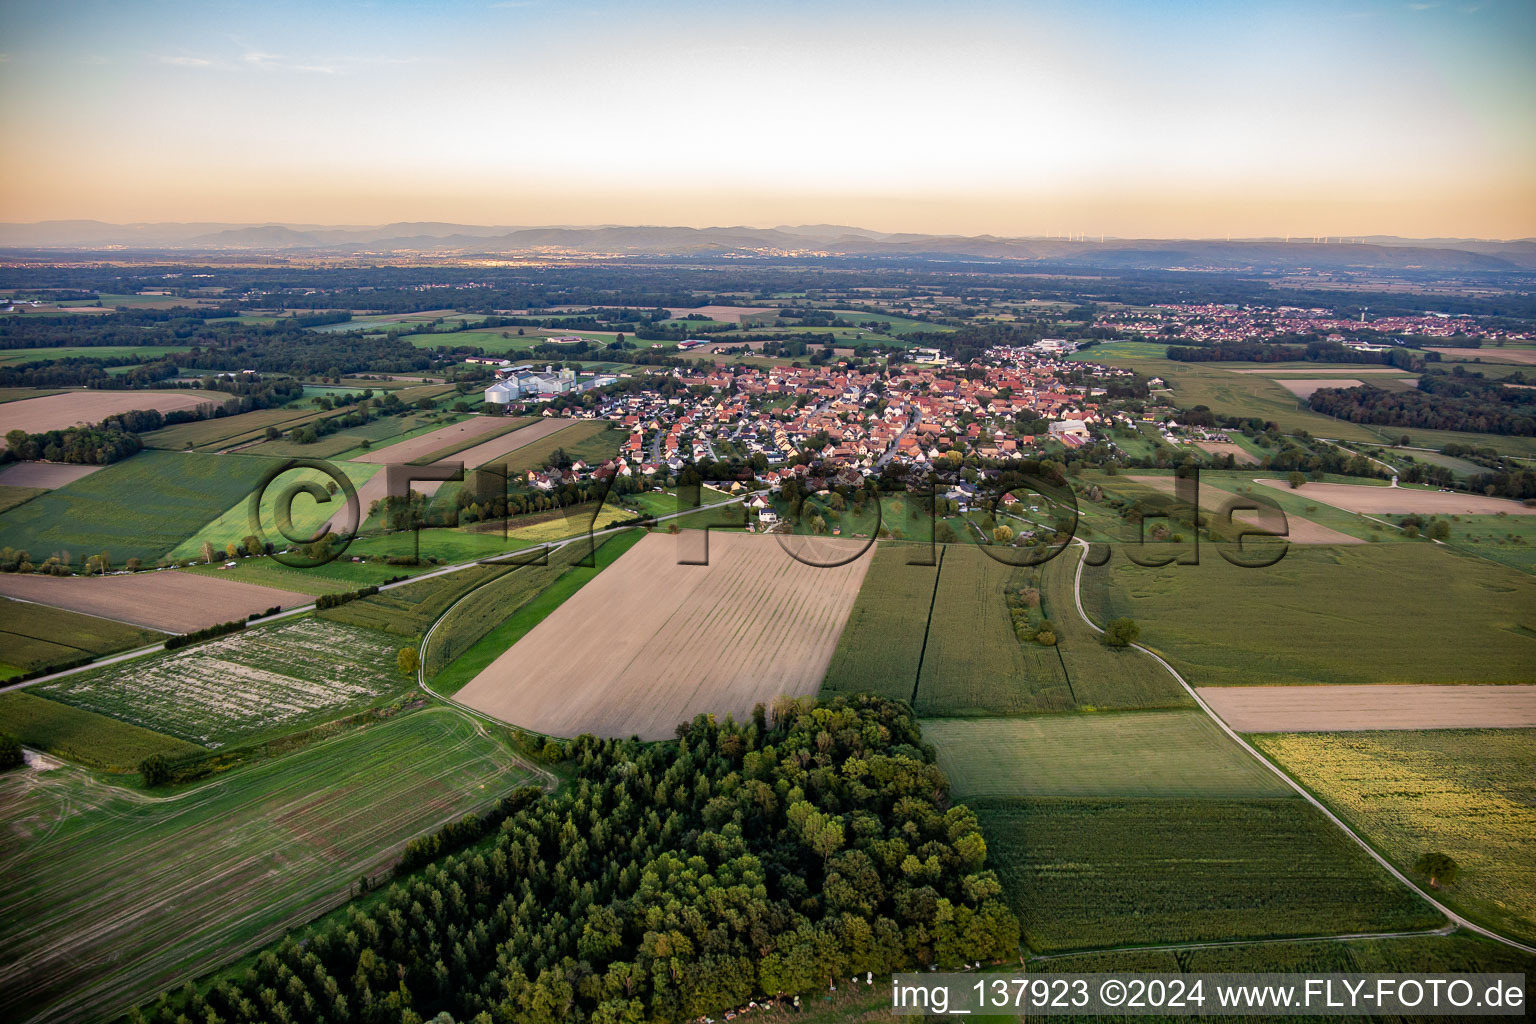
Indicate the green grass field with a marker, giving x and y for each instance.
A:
(408, 610)
(335, 577)
(113, 896)
(1114, 754)
(592, 441)
(33, 636)
(259, 682)
(882, 640)
(1467, 793)
(1092, 873)
(141, 507)
(11, 496)
(974, 664)
(83, 736)
(307, 514)
(1370, 613)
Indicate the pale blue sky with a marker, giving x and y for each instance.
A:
(1160, 118)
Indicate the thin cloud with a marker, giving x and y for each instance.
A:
(186, 62)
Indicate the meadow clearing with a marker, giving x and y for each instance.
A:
(1467, 793)
(676, 641)
(173, 602)
(275, 679)
(34, 636)
(113, 896)
(1380, 706)
(1221, 625)
(55, 412)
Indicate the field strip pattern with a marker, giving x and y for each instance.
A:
(432, 441)
(662, 642)
(1300, 531)
(111, 896)
(173, 602)
(1350, 707)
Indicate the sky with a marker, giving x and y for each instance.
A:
(1179, 118)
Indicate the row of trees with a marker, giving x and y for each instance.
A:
(666, 882)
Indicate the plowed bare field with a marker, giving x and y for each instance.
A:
(43, 474)
(1351, 708)
(1378, 500)
(176, 602)
(55, 412)
(433, 440)
(661, 642)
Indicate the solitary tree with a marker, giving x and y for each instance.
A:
(1003, 534)
(1122, 633)
(1440, 868)
(155, 770)
(407, 661)
(207, 551)
(10, 752)
(1296, 479)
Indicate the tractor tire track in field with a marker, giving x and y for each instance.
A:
(928, 624)
(1457, 920)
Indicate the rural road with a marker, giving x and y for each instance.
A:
(1451, 915)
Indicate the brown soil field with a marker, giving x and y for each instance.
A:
(1302, 531)
(55, 412)
(1305, 388)
(1523, 356)
(1350, 708)
(175, 602)
(662, 642)
(1242, 457)
(496, 447)
(1402, 500)
(433, 440)
(43, 474)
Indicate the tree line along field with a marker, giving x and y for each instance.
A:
(942, 637)
(1469, 793)
(34, 636)
(142, 507)
(273, 679)
(1362, 609)
(112, 896)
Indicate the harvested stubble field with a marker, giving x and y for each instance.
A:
(1349, 708)
(1239, 454)
(91, 739)
(276, 678)
(1403, 500)
(112, 896)
(173, 602)
(48, 475)
(676, 640)
(141, 507)
(520, 432)
(1468, 793)
(1358, 607)
(35, 635)
(1090, 873)
(441, 439)
(1121, 754)
(56, 412)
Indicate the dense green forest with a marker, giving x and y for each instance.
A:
(1440, 402)
(665, 882)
